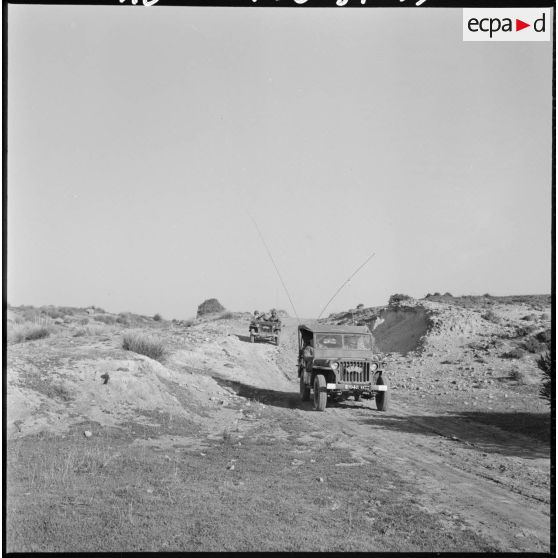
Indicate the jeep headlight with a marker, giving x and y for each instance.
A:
(334, 365)
(374, 366)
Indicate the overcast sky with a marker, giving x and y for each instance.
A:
(141, 139)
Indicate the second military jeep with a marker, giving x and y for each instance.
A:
(338, 361)
(265, 329)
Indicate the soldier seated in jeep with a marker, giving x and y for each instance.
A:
(265, 327)
(338, 361)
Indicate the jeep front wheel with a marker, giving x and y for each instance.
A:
(320, 393)
(304, 389)
(382, 397)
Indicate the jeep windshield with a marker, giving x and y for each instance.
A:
(344, 341)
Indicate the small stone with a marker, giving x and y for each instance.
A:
(88, 434)
(320, 479)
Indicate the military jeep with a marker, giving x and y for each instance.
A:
(265, 329)
(338, 362)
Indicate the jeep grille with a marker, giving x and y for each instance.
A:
(355, 371)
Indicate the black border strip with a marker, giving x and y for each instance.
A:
(312, 3)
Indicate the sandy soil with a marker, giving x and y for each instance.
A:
(466, 428)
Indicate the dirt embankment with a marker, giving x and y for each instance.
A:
(396, 329)
(401, 330)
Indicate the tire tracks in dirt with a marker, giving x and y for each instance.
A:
(446, 462)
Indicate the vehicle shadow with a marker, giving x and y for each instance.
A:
(526, 435)
(246, 339)
(243, 338)
(271, 397)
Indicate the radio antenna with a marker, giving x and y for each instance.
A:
(345, 283)
(275, 266)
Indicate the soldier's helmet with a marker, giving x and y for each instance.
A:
(274, 312)
(256, 312)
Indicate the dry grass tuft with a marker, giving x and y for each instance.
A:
(39, 328)
(144, 345)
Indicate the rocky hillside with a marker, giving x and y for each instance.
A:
(450, 344)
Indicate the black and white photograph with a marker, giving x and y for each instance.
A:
(279, 276)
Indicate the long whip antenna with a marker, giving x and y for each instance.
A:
(345, 283)
(275, 266)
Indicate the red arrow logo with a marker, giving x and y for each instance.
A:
(519, 25)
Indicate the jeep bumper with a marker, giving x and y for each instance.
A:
(361, 387)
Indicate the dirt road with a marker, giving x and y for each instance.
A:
(472, 473)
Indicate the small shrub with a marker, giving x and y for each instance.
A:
(491, 316)
(520, 376)
(547, 365)
(532, 345)
(52, 312)
(144, 345)
(210, 306)
(226, 316)
(544, 336)
(122, 319)
(523, 331)
(188, 323)
(396, 299)
(360, 306)
(449, 295)
(530, 317)
(516, 352)
(84, 321)
(157, 317)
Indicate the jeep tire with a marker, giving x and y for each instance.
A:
(304, 389)
(320, 393)
(382, 397)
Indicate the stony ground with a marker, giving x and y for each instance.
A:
(460, 462)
